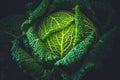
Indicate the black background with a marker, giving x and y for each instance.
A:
(11, 7)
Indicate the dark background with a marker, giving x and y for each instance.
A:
(110, 71)
(11, 7)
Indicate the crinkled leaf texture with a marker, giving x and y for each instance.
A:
(55, 22)
(60, 33)
(58, 30)
(40, 52)
(61, 42)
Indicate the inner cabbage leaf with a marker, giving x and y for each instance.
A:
(60, 33)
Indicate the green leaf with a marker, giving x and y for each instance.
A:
(61, 42)
(55, 22)
(60, 32)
